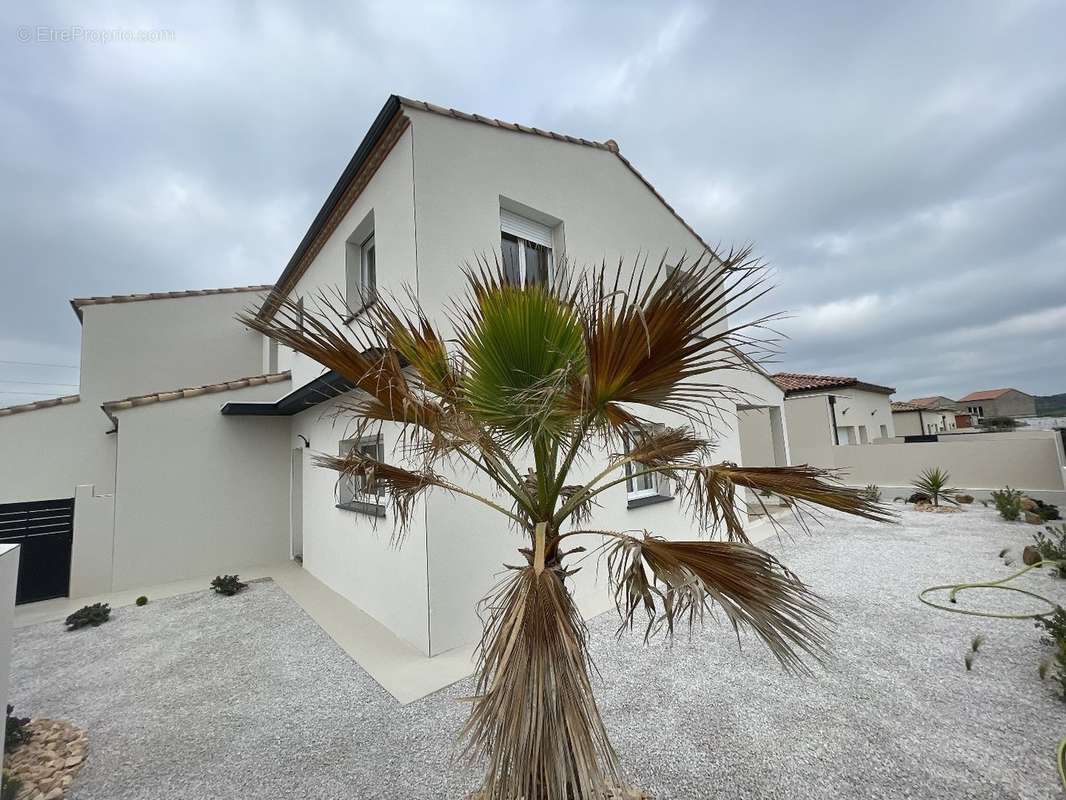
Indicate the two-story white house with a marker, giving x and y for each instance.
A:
(187, 451)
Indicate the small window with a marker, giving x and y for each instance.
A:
(863, 437)
(357, 492)
(884, 431)
(361, 277)
(525, 248)
(644, 488)
(272, 356)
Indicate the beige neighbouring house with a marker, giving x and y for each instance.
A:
(999, 403)
(914, 419)
(826, 410)
(187, 451)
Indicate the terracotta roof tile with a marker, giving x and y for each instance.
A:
(38, 404)
(80, 302)
(800, 382)
(193, 391)
(900, 406)
(987, 394)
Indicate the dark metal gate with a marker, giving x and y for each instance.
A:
(44, 529)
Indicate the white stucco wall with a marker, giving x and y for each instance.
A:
(389, 196)
(810, 426)
(9, 570)
(155, 345)
(199, 493)
(91, 567)
(351, 554)
(46, 453)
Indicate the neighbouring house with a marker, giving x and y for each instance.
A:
(947, 406)
(999, 403)
(915, 419)
(187, 450)
(825, 410)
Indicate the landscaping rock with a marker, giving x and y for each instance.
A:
(919, 497)
(965, 499)
(1029, 504)
(48, 762)
(1030, 555)
(1033, 519)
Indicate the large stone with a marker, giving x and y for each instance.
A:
(1030, 555)
(965, 499)
(1033, 519)
(919, 497)
(1029, 504)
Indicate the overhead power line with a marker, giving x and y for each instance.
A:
(39, 364)
(37, 383)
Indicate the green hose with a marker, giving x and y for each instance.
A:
(955, 588)
(958, 587)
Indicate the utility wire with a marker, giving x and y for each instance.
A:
(33, 394)
(39, 364)
(36, 383)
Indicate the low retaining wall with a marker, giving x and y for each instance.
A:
(1032, 461)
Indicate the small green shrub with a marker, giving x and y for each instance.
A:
(10, 785)
(228, 585)
(15, 731)
(872, 492)
(1046, 511)
(1052, 547)
(999, 423)
(934, 483)
(96, 614)
(1008, 503)
(1054, 628)
(142, 600)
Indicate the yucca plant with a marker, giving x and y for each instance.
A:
(934, 482)
(537, 380)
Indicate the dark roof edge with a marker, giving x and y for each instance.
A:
(381, 123)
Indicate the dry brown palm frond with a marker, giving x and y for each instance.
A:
(535, 719)
(402, 487)
(687, 579)
(655, 338)
(363, 356)
(660, 446)
(709, 492)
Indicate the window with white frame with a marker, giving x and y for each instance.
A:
(526, 249)
(360, 268)
(643, 487)
(359, 492)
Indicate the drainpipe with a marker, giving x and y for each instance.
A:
(833, 416)
(921, 422)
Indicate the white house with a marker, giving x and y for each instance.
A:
(916, 419)
(187, 449)
(825, 410)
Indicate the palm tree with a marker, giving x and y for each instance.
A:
(934, 482)
(554, 376)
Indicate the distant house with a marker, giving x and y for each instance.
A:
(916, 419)
(938, 403)
(828, 410)
(999, 403)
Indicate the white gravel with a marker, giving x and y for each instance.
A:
(203, 696)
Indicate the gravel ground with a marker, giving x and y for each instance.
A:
(205, 697)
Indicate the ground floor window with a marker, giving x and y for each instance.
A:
(644, 488)
(358, 492)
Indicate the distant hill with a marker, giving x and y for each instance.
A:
(1051, 405)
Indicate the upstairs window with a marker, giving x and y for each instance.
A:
(358, 492)
(360, 266)
(526, 249)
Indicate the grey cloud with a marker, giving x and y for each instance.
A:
(906, 153)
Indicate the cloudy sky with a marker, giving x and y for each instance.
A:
(901, 165)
